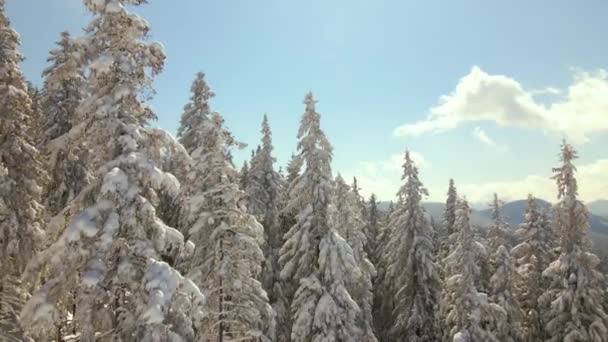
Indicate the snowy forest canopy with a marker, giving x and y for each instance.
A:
(112, 230)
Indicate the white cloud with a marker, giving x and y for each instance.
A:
(478, 96)
(481, 135)
(592, 184)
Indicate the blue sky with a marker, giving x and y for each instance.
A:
(503, 82)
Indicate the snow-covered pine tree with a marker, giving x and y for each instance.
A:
(576, 288)
(411, 282)
(504, 292)
(449, 236)
(360, 199)
(244, 175)
(382, 311)
(64, 88)
(498, 233)
(37, 113)
(115, 255)
(284, 289)
(349, 224)
(288, 214)
(196, 113)
(466, 309)
(449, 215)
(263, 199)
(309, 196)
(227, 258)
(21, 181)
(503, 280)
(532, 256)
(263, 187)
(373, 227)
(314, 258)
(170, 156)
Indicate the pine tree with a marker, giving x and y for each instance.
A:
(499, 229)
(64, 89)
(196, 114)
(503, 292)
(575, 293)
(502, 279)
(244, 175)
(411, 281)
(533, 255)
(21, 180)
(373, 228)
(115, 256)
(349, 224)
(382, 311)
(284, 289)
(322, 307)
(467, 309)
(263, 192)
(170, 156)
(359, 198)
(497, 235)
(263, 186)
(448, 240)
(449, 215)
(314, 258)
(227, 256)
(288, 214)
(37, 115)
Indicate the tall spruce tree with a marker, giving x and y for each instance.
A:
(316, 260)
(288, 213)
(411, 282)
(449, 236)
(227, 255)
(244, 175)
(195, 114)
(576, 288)
(360, 199)
(498, 233)
(449, 215)
(284, 288)
(263, 187)
(263, 192)
(373, 228)
(36, 126)
(115, 256)
(532, 255)
(64, 89)
(349, 224)
(503, 280)
(21, 182)
(468, 310)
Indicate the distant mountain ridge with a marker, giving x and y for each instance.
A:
(514, 211)
(599, 207)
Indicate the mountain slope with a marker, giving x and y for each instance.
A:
(514, 215)
(599, 207)
(514, 211)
